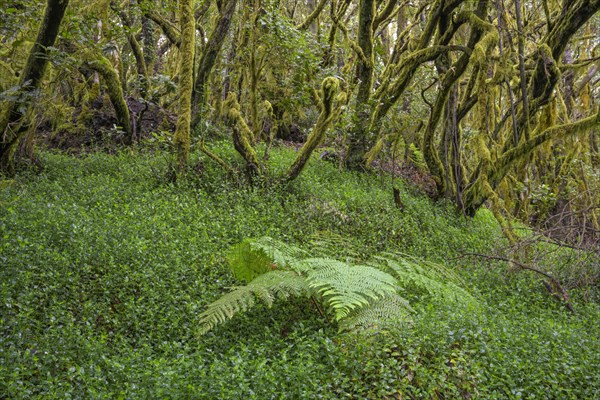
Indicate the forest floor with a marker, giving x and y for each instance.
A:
(106, 265)
(96, 128)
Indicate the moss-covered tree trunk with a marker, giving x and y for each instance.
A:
(449, 79)
(311, 20)
(329, 88)
(490, 178)
(399, 74)
(359, 139)
(209, 57)
(242, 135)
(168, 28)
(136, 48)
(253, 77)
(186, 83)
(149, 43)
(522, 77)
(114, 87)
(337, 12)
(12, 124)
(541, 86)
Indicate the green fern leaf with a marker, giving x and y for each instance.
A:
(331, 245)
(254, 257)
(267, 288)
(360, 296)
(392, 310)
(345, 287)
(307, 265)
(247, 263)
(280, 253)
(432, 278)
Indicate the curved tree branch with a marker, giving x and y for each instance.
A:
(313, 16)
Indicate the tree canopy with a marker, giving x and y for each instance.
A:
(499, 99)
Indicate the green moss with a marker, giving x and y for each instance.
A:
(329, 89)
(115, 91)
(475, 196)
(243, 136)
(186, 84)
(312, 16)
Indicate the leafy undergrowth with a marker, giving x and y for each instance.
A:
(106, 269)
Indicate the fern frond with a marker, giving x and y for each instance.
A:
(310, 264)
(248, 263)
(433, 278)
(360, 296)
(254, 257)
(267, 288)
(281, 253)
(332, 245)
(433, 270)
(392, 310)
(346, 288)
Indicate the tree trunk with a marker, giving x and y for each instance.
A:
(546, 73)
(311, 20)
(478, 192)
(242, 135)
(329, 88)
(138, 53)
(186, 83)
(12, 126)
(448, 80)
(359, 140)
(149, 41)
(168, 28)
(209, 57)
(103, 66)
(523, 82)
(541, 86)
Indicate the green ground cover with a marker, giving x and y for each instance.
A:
(105, 268)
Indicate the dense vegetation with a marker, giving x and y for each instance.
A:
(168, 231)
(106, 268)
(500, 97)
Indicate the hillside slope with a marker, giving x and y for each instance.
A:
(105, 268)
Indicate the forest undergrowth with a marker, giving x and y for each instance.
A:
(106, 267)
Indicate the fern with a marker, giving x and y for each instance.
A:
(346, 288)
(252, 258)
(359, 296)
(438, 281)
(247, 263)
(391, 310)
(332, 245)
(281, 253)
(266, 288)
